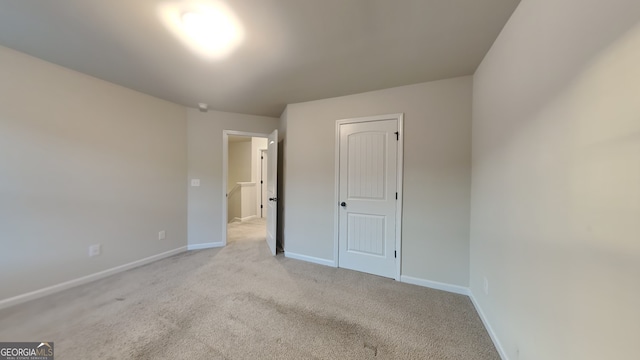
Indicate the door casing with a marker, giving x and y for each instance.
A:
(272, 192)
(225, 172)
(400, 166)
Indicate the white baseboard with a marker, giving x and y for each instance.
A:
(205, 246)
(310, 259)
(456, 289)
(462, 291)
(247, 218)
(86, 279)
(487, 325)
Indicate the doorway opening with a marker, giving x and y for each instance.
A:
(249, 199)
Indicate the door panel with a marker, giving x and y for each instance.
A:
(272, 186)
(263, 184)
(368, 177)
(365, 234)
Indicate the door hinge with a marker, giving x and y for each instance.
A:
(395, 254)
(397, 135)
(261, 157)
(396, 196)
(260, 206)
(261, 182)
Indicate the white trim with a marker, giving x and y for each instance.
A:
(85, 279)
(336, 210)
(225, 172)
(246, 184)
(233, 190)
(310, 259)
(399, 171)
(370, 118)
(247, 218)
(205, 245)
(456, 289)
(487, 325)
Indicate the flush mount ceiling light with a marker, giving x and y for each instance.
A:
(210, 29)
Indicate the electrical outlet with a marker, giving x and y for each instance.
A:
(162, 235)
(94, 250)
(195, 182)
(486, 286)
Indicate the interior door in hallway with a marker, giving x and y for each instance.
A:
(368, 158)
(272, 186)
(264, 161)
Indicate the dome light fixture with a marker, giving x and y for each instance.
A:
(210, 29)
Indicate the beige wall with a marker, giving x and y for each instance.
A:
(205, 163)
(257, 144)
(83, 162)
(240, 161)
(555, 225)
(437, 159)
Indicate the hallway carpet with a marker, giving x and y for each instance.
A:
(239, 302)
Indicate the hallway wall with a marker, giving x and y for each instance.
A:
(240, 160)
(205, 163)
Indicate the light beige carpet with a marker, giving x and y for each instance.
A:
(239, 302)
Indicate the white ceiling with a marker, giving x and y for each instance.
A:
(294, 50)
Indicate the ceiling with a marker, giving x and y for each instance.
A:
(293, 50)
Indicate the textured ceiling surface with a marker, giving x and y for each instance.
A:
(293, 50)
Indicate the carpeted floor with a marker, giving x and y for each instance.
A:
(239, 302)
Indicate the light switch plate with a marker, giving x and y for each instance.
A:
(195, 182)
(94, 250)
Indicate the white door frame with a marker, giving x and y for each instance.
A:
(400, 167)
(225, 172)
